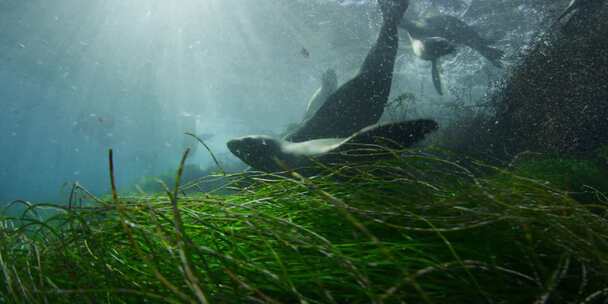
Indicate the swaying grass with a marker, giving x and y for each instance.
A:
(414, 229)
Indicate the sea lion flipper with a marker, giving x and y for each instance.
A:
(313, 104)
(385, 49)
(329, 84)
(567, 11)
(395, 135)
(493, 55)
(436, 76)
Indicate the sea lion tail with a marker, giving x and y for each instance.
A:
(395, 135)
(393, 9)
(436, 76)
(493, 55)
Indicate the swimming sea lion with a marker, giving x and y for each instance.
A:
(431, 49)
(455, 31)
(360, 101)
(329, 83)
(267, 154)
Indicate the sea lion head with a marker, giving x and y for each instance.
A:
(258, 151)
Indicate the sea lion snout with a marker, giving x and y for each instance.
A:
(243, 146)
(258, 151)
(233, 145)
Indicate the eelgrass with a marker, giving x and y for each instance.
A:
(414, 229)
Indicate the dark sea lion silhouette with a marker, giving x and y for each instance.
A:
(360, 101)
(267, 154)
(432, 49)
(329, 84)
(346, 119)
(455, 31)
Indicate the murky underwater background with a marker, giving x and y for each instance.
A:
(79, 77)
(495, 192)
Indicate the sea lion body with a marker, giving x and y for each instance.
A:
(432, 49)
(267, 154)
(360, 101)
(455, 31)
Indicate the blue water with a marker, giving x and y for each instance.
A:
(80, 77)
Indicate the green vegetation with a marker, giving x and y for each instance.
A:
(194, 178)
(417, 229)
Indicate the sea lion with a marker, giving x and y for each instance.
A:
(360, 101)
(268, 154)
(431, 49)
(329, 83)
(455, 31)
